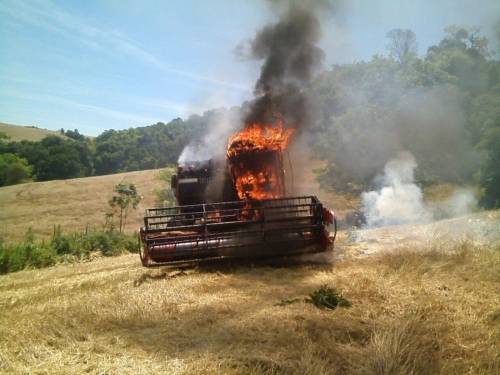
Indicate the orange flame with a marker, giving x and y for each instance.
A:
(259, 137)
(255, 160)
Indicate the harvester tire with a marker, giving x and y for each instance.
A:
(143, 249)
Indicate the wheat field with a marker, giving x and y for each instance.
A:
(414, 311)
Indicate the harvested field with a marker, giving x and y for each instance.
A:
(414, 310)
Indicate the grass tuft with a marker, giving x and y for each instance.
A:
(286, 302)
(327, 298)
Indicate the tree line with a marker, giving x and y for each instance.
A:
(113, 151)
(442, 106)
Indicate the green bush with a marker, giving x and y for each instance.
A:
(63, 244)
(38, 254)
(130, 244)
(12, 258)
(13, 169)
(42, 255)
(17, 257)
(4, 260)
(108, 243)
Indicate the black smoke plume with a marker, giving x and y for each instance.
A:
(290, 56)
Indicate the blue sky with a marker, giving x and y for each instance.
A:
(101, 64)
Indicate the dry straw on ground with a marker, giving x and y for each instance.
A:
(413, 312)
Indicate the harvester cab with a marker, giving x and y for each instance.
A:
(201, 182)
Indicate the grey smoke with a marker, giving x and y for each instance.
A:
(428, 122)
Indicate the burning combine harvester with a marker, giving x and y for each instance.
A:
(236, 207)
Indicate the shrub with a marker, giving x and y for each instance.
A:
(4, 260)
(13, 169)
(17, 257)
(32, 253)
(63, 244)
(13, 258)
(130, 244)
(42, 255)
(108, 243)
(98, 241)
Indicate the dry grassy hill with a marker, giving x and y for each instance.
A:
(74, 204)
(28, 133)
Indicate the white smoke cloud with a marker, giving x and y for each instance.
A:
(462, 201)
(221, 124)
(399, 200)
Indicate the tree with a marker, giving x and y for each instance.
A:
(485, 120)
(74, 134)
(463, 54)
(468, 37)
(126, 196)
(54, 157)
(497, 32)
(437, 107)
(146, 147)
(402, 44)
(13, 169)
(490, 171)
